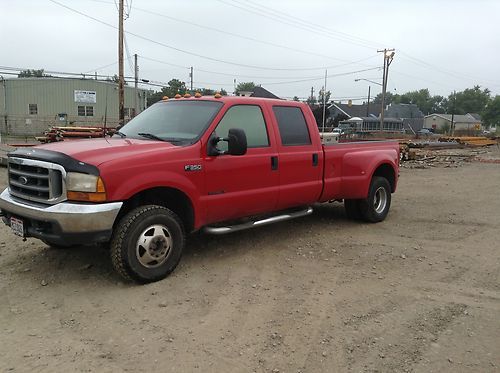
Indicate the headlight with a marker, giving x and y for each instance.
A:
(84, 187)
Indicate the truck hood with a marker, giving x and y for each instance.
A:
(98, 151)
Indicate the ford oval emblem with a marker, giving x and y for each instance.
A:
(23, 180)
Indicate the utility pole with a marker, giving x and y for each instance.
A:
(368, 103)
(452, 127)
(121, 81)
(388, 56)
(312, 95)
(136, 80)
(191, 78)
(324, 102)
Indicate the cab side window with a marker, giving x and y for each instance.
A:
(249, 118)
(292, 126)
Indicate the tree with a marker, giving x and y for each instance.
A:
(33, 74)
(471, 100)
(115, 79)
(318, 115)
(175, 86)
(321, 95)
(245, 87)
(491, 114)
(311, 100)
(389, 98)
(296, 98)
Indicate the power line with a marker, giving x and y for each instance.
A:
(263, 11)
(456, 75)
(233, 75)
(322, 77)
(315, 25)
(226, 32)
(101, 67)
(185, 51)
(294, 24)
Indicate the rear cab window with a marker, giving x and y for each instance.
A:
(292, 126)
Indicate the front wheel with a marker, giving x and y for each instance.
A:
(375, 208)
(147, 244)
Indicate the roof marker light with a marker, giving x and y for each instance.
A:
(177, 96)
(165, 98)
(187, 95)
(197, 95)
(217, 95)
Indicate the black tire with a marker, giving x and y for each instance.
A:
(156, 259)
(58, 246)
(352, 209)
(375, 208)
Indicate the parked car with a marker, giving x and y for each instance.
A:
(188, 164)
(424, 132)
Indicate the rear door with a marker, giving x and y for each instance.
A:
(300, 158)
(242, 185)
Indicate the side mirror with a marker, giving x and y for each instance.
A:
(237, 142)
(236, 139)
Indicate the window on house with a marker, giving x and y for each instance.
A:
(33, 109)
(292, 125)
(85, 111)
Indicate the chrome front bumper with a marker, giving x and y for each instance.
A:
(70, 217)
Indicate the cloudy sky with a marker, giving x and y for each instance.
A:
(443, 45)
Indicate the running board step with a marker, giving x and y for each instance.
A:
(258, 223)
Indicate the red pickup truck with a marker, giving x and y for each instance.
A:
(215, 163)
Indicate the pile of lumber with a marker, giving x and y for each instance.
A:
(470, 140)
(65, 133)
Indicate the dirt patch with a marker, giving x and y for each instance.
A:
(419, 292)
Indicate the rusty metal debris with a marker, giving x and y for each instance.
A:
(446, 152)
(470, 140)
(64, 133)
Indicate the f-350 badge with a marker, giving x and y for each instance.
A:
(192, 167)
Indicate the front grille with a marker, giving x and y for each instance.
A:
(36, 180)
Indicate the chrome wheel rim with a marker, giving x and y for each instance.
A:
(154, 246)
(380, 200)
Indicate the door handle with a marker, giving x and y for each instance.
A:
(315, 159)
(274, 163)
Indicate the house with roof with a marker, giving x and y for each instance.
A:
(363, 118)
(410, 114)
(258, 91)
(464, 123)
(351, 111)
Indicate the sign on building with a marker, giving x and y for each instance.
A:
(85, 97)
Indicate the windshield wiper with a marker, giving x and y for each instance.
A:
(154, 137)
(121, 134)
(151, 136)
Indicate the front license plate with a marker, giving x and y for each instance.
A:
(17, 226)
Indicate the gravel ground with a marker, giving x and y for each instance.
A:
(419, 292)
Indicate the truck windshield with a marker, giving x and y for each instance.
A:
(173, 121)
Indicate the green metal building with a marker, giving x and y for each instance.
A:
(29, 106)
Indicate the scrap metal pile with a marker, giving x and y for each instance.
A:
(446, 152)
(55, 134)
(470, 141)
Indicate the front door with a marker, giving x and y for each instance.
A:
(238, 186)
